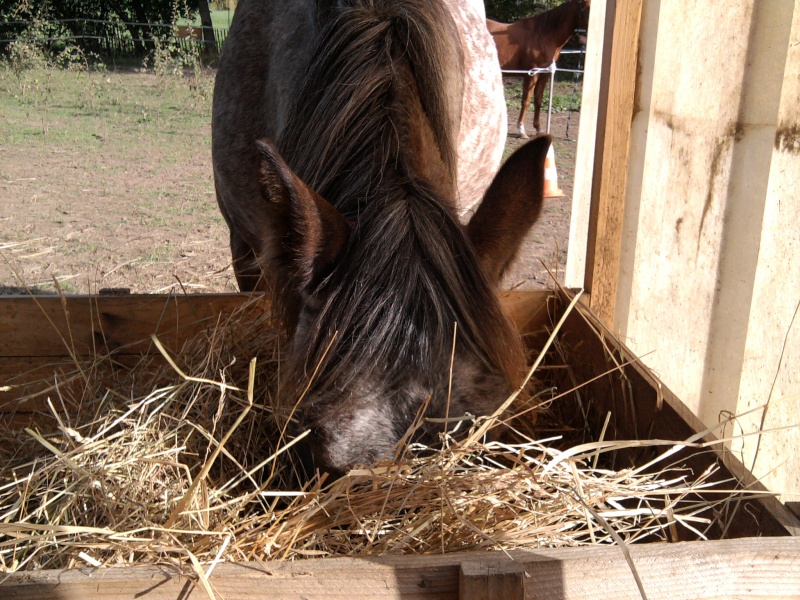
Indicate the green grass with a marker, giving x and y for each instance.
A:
(51, 106)
(132, 133)
(567, 95)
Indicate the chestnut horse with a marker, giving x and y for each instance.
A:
(535, 42)
(340, 190)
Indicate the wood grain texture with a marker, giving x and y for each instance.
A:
(44, 338)
(606, 219)
(641, 407)
(482, 580)
(744, 568)
(47, 339)
(49, 326)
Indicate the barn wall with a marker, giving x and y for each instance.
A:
(708, 274)
(771, 369)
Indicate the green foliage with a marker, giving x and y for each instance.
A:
(139, 18)
(144, 11)
(42, 43)
(220, 19)
(178, 65)
(167, 57)
(170, 58)
(508, 11)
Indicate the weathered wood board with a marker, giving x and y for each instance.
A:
(685, 238)
(744, 568)
(46, 339)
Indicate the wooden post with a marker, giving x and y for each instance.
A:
(608, 196)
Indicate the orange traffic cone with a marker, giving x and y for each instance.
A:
(551, 189)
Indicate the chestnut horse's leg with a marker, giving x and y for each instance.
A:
(527, 87)
(538, 94)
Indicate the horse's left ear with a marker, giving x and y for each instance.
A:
(309, 234)
(509, 208)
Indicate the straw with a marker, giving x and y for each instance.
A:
(193, 460)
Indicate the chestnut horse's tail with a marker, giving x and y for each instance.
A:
(346, 93)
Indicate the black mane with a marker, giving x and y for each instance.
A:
(408, 273)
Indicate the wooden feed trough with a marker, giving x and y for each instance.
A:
(44, 335)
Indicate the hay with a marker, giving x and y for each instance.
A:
(195, 462)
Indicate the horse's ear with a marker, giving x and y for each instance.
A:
(307, 234)
(509, 208)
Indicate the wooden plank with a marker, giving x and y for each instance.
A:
(90, 325)
(745, 568)
(608, 195)
(591, 107)
(642, 407)
(49, 326)
(528, 310)
(44, 336)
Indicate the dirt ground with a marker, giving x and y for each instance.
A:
(545, 247)
(94, 216)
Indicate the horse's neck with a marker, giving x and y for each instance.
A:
(561, 21)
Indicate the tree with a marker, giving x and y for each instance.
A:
(139, 15)
(208, 28)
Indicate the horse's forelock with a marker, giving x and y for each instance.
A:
(418, 251)
(408, 273)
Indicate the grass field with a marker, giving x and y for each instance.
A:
(106, 181)
(44, 106)
(567, 95)
(107, 169)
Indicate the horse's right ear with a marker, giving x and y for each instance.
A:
(307, 234)
(509, 208)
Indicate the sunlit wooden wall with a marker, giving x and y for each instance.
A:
(686, 215)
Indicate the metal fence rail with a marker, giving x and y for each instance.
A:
(552, 69)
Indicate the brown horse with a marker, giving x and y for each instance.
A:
(348, 215)
(535, 42)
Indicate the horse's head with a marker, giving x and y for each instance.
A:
(351, 219)
(379, 303)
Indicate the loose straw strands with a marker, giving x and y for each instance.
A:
(202, 467)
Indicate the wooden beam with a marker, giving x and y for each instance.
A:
(591, 108)
(744, 568)
(608, 196)
(50, 326)
(47, 337)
